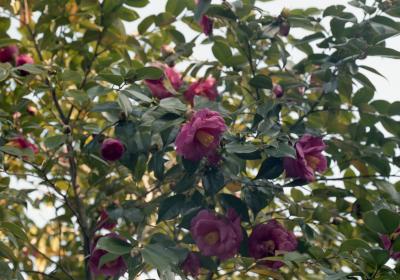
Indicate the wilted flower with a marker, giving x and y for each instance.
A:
(308, 159)
(204, 87)
(158, 88)
(191, 265)
(267, 239)
(206, 24)
(387, 243)
(22, 143)
(8, 54)
(105, 221)
(278, 91)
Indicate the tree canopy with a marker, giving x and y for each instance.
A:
(250, 163)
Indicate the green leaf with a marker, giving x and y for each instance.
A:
(5, 69)
(125, 104)
(373, 222)
(171, 207)
(136, 95)
(162, 257)
(321, 214)
(145, 24)
(15, 229)
(127, 14)
(5, 23)
(114, 245)
(107, 258)
(4, 42)
(240, 148)
(7, 252)
(54, 141)
(390, 190)
(136, 3)
(32, 69)
(255, 199)
(271, 168)
(384, 52)
(222, 52)
(363, 96)
(149, 73)
(261, 81)
(173, 105)
(213, 181)
(11, 151)
(380, 256)
(175, 7)
(353, 244)
(230, 201)
(390, 220)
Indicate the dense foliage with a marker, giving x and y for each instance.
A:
(249, 164)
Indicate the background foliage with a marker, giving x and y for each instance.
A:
(87, 84)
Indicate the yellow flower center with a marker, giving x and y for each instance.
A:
(204, 138)
(211, 238)
(312, 161)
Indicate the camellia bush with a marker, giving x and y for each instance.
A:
(251, 163)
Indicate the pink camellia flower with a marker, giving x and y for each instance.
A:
(158, 88)
(387, 243)
(267, 239)
(8, 54)
(113, 268)
(309, 158)
(22, 143)
(112, 149)
(204, 87)
(23, 59)
(105, 221)
(217, 236)
(278, 91)
(206, 24)
(200, 136)
(191, 265)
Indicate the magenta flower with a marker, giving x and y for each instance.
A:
(105, 221)
(267, 239)
(278, 91)
(387, 243)
(200, 136)
(204, 87)
(206, 24)
(284, 29)
(22, 143)
(113, 268)
(23, 59)
(8, 54)
(309, 158)
(191, 265)
(217, 236)
(112, 149)
(158, 88)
